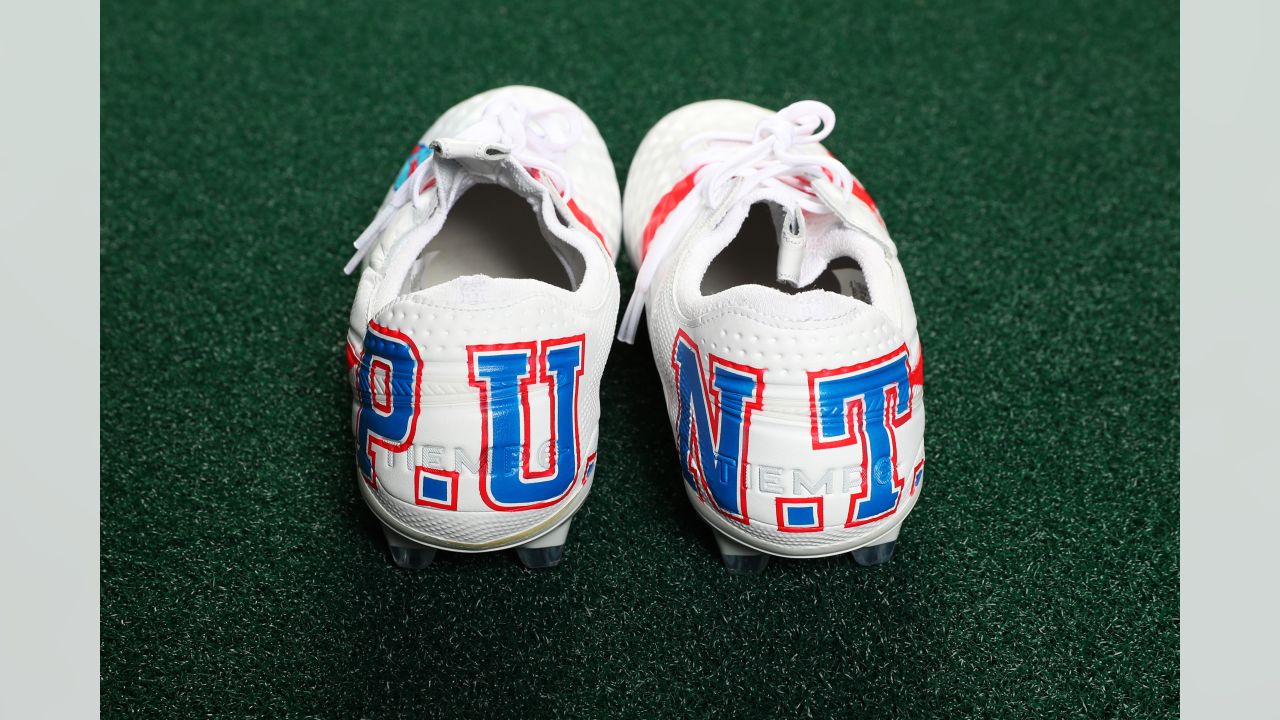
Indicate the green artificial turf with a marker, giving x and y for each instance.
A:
(1025, 156)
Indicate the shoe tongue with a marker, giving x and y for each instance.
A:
(462, 164)
(483, 148)
(806, 241)
(474, 155)
(792, 239)
(793, 232)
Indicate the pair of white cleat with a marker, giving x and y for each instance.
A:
(778, 315)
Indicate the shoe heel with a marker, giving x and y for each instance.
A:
(406, 553)
(738, 558)
(547, 551)
(880, 552)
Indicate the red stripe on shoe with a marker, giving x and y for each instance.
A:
(582, 217)
(585, 219)
(664, 208)
(667, 204)
(862, 194)
(859, 191)
(916, 374)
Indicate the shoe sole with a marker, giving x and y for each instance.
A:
(541, 546)
(740, 559)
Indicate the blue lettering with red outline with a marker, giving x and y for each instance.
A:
(862, 405)
(389, 381)
(714, 425)
(503, 374)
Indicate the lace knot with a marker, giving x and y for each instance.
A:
(782, 154)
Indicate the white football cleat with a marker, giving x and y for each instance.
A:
(783, 331)
(481, 327)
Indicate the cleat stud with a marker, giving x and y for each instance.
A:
(546, 551)
(738, 558)
(873, 555)
(745, 564)
(407, 553)
(878, 553)
(412, 558)
(539, 558)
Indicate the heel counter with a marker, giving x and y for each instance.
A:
(800, 440)
(472, 429)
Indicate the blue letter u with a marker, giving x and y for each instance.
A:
(503, 374)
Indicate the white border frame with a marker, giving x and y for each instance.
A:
(1230, 255)
(49, 282)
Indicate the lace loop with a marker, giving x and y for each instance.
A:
(778, 156)
(770, 158)
(532, 139)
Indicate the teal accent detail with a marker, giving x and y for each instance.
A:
(416, 158)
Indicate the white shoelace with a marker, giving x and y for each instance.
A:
(526, 134)
(767, 161)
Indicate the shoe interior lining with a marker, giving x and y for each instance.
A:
(493, 231)
(751, 259)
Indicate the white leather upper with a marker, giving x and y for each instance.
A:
(787, 336)
(475, 310)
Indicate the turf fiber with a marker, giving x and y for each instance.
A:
(1025, 156)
